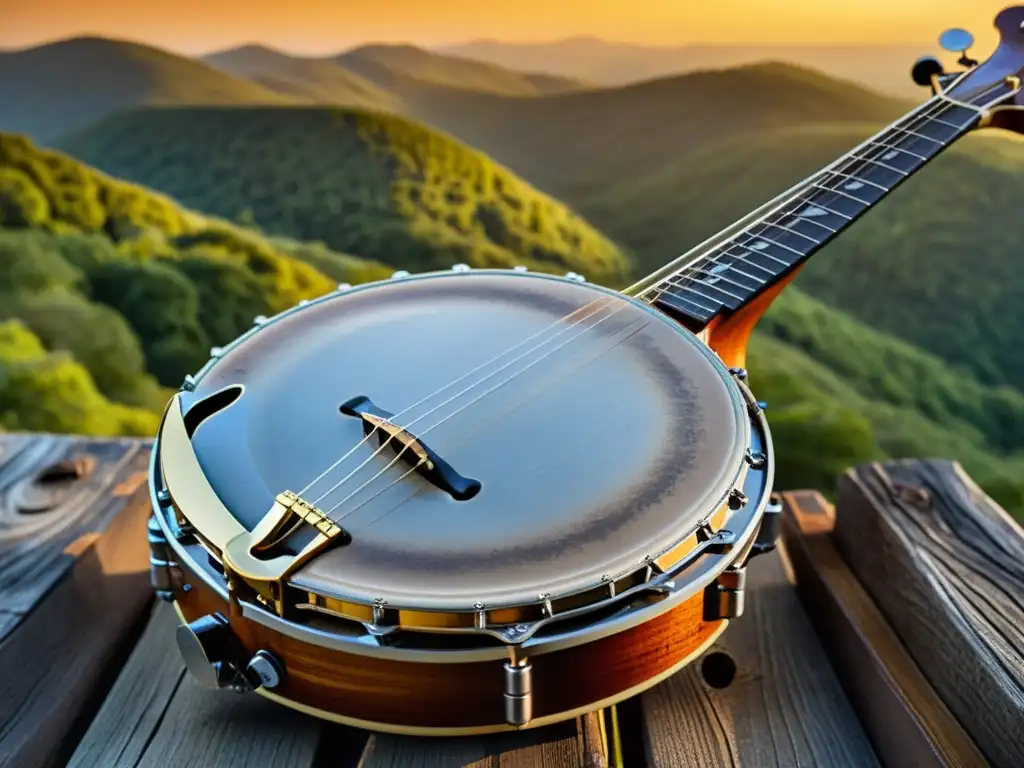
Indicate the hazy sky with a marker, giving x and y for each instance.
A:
(323, 26)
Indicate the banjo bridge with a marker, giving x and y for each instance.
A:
(410, 448)
(287, 537)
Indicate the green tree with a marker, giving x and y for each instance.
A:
(98, 337)
(161, 304)
(229, 296)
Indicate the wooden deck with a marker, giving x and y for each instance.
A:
(891, 633)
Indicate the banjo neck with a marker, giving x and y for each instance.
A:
(743, 262)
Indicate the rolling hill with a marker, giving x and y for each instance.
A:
(885, 68)
(401, 67)
(574, 144)
(304, 79)
(52, 89)
(362, 182)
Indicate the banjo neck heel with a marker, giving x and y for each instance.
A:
(263, 559)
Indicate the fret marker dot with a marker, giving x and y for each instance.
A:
(853, 186)
(813, 211)
(889, 155)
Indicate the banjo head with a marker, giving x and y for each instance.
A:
(601, 434)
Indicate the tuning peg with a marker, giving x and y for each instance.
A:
(958, 40)
(926, 68)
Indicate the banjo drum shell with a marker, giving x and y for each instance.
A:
(610, 437)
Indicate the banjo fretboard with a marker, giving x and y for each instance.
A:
(743, 264)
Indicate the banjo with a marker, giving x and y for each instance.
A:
(479, 500)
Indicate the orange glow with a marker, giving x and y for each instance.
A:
(327, 26)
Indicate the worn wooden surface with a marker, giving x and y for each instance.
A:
(80, 686)
(784, 707)
(905, 718)
(69, 595)
(946, 567)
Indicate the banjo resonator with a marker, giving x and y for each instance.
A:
(614, 475)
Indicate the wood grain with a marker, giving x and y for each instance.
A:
(784, 707)
(946, 567)
(729, 334)
(572, 744)
(74, 580)
(905, 718)
(156, 716)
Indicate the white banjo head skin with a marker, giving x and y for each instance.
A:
(604, 440)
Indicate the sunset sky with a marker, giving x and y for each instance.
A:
(325, 26)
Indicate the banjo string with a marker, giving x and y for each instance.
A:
(808, 185)
(502, 383)
(494, 359)
(401, 452)
(398, 480)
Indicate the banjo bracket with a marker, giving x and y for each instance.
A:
(287, 537)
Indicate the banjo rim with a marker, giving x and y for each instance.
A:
(500, 620)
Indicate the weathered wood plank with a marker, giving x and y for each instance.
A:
(784, 707)
(946, 567)
(157, 715)
(573, 744)
(905, 718)
(74, 580)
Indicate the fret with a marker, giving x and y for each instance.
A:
(730, 273)
(713, 272)
(891, 155)
(837, 191)
(901, 150)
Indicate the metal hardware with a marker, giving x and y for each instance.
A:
(519, 268)
(266, 574)
(264, 670)
(461, 268)
(189, 384)
(768, 533)
(207, 646)
(737, 499)
(762, 405)
(518, 692)
(160, 560)
(723, 598)
(163, 498)
(302, 302)
(739, 373)
(755, 459)
(342, 287)
(216, 352)
(400, 274)
(925, 69)
(260, 320)
(576, 277)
